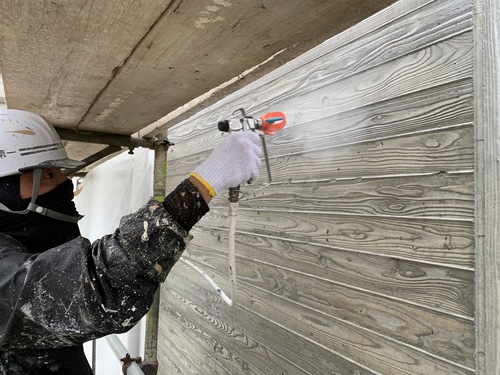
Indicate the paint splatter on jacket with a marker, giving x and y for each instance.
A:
(52, 302)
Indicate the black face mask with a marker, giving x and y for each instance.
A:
(37, 232)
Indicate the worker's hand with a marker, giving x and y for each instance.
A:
(235, 160)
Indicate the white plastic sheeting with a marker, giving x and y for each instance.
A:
(115, 188)
(3, 102)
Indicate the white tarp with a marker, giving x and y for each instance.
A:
(115, 188)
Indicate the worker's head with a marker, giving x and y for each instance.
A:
(35, 196)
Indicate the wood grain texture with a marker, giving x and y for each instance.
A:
(443, 151)
(229, 343)
(265, 342)
(443, 242)
(362, 250)
(444, 290)
(362, 346)
(363, 113)
(313, 329)
(424, 306)
(397, 32)
(174, 356)
(439, 195)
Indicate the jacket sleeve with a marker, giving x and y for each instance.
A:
(79, 291)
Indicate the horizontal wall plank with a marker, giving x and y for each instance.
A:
(368, 349)
(441, 151)
(172, 359)
(446, 291)
(373, 352)
(435, 195)
(433, 311)
(279, 340)
(240, 352)
(320, 126)
(438, 241)
(426, 110)
(447, 150)
(178, 348)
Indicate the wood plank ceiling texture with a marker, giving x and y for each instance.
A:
(118, 66)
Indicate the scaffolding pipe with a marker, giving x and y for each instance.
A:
(150, 363)
(94, 355)
(105, 138)
(121, 352)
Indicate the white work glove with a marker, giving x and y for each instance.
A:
(235, 160)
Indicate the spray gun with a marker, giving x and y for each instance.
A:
(265, 125)
(268, 124)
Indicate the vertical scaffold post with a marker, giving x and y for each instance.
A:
(150, 363)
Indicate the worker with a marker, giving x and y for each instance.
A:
(58, 290)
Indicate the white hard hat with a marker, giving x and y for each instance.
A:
(28, 142)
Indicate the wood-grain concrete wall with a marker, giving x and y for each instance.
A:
(359, 258)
